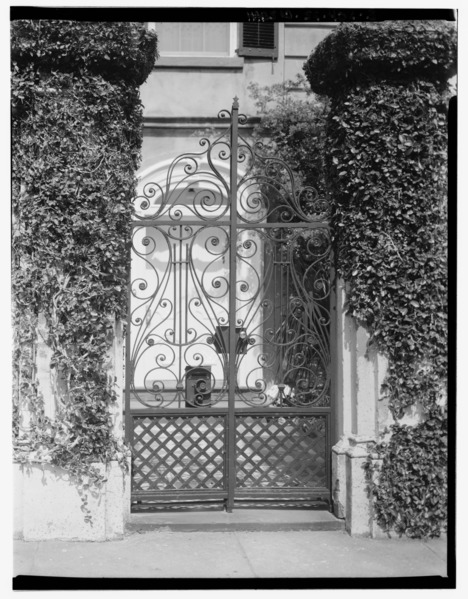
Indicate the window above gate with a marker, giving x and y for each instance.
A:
(195, 39)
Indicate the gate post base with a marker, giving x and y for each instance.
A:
(351, 498)
(358, 503)
(339, 477)
(48, 505)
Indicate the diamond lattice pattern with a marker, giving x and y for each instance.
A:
(281, 452)
(178, 453)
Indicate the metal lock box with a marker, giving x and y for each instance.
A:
(197, 386)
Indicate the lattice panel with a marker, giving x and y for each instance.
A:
(178, 453)
(281, 452)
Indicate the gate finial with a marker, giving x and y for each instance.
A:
(236, 102)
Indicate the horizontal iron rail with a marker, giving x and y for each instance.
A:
(223, 411)
(162, 506)
(181, 496)
(271, 492)
(240, 493)
(179, 412)
(282, 411)
(226, 223)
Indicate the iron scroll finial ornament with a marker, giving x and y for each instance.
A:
(235, 103)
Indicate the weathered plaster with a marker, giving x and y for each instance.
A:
(358, 505)
(48, 505)
(339, 480)
(360, 372)
(115, 373)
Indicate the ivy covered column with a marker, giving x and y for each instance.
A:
(77, 131)
(386, 170)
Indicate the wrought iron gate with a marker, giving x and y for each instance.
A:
(228, 346)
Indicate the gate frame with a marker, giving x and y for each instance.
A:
(235, 119)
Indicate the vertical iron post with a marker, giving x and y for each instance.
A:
(128, 366)
(231, 432)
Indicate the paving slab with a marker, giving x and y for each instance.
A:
(151, 555)
(233, 554)
(337, 555)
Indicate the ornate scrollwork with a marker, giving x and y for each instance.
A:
(285, 312)
(268, 190)
(173, 321)
(180, 316)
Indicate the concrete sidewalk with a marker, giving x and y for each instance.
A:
(165, 553)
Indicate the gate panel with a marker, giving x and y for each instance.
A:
(283, 452)
(179, 304)
(228, 393)
(282, 308)
(178, 452)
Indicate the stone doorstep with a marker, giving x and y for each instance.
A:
(237, 521)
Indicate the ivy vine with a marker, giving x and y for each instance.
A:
(77, 131)
(386, 164)
(410, 490)
(386, 171)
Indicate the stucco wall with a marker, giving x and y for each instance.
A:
(174, 94)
